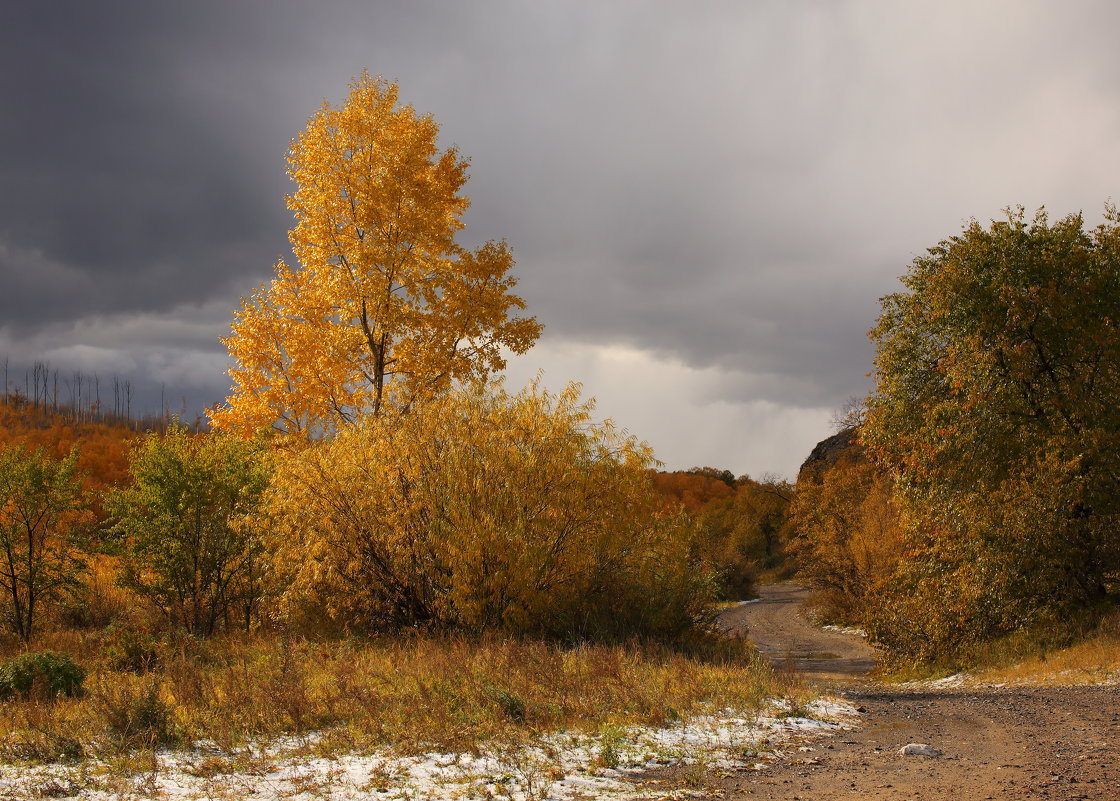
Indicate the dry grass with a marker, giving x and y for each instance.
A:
(1076, 654)
(412, 694)
(1093, 661)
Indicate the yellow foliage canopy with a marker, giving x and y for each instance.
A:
(385, 309)
(486, 511)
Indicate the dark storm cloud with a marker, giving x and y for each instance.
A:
(122, 186)
(742, 191)
(728, 185)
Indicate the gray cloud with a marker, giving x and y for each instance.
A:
(727, 185)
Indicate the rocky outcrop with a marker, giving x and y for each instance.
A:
(843, 444)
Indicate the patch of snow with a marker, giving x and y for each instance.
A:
(956, 680)
(559, 766)
(1071, 678)
(852, 630)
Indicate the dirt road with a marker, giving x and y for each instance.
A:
(775, 624)
(1053, 743)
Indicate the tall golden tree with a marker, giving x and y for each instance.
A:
(385, 309)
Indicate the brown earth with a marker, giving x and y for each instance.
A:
(1024, 743)
(776, 625)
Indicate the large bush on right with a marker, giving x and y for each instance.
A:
(486, 510)
(997, 410)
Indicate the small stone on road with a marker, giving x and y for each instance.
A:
(919, 749)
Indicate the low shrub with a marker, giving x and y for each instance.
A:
(139, 715)
(132, 650)
(488, 511)
(511, 704)
(43, 674)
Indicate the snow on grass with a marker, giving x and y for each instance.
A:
(558, 766)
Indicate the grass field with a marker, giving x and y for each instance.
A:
(413, 694)
(476, 718)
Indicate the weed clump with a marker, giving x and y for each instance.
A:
(513, 706)
(139, 716)
(131, 650)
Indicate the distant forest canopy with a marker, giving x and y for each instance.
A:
(744, 523)
(81, 396)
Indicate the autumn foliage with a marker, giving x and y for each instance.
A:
(102, 448)
(846, 533)
(988, 508)
(742, 522)
(692, 490)
(384, 309)
(997, 410)
(367, 474)
(486, 511)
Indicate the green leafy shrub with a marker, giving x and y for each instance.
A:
(186, 549)
(44, 674)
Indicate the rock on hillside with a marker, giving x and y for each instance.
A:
(827, 452)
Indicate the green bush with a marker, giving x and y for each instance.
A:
(997, 415)
(45, 674)
(186, 550)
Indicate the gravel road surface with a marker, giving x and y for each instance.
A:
(1053, 743)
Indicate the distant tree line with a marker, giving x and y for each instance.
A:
(83, 397)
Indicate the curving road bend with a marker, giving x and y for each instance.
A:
(1027, 744)
(776, 624)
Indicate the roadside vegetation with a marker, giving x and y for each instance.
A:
(1093, 658)
(968, 514)
(210, 600)
(377, 545)
(415, 694)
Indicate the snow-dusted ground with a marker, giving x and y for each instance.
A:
(854, 631)
(955, 680)
(558, 766)
(1101, 677)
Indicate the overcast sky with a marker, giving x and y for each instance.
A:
(705, 199)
